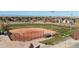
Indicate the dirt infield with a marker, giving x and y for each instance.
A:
(27, 34)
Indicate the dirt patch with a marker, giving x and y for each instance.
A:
(28, 34)
(75, 35)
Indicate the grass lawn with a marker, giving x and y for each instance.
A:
(63, 31)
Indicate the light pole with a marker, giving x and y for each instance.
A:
(71, 21)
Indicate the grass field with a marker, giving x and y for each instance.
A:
(63, 31)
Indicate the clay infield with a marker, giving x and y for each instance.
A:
(27, 34)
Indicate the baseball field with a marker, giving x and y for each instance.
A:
(63, 31)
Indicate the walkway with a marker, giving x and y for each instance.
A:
(66, 44)
(6, 43)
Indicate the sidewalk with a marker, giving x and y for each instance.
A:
(6, 43)
(66, 44)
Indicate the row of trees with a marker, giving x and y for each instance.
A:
(24, 19)
(31, 18)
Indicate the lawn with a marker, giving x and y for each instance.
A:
(63, 31)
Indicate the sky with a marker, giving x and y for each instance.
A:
(39, 13)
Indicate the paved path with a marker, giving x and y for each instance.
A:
(75, 46)
(6, 43)
(66, 44)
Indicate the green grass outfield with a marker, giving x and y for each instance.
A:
(63, 31)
